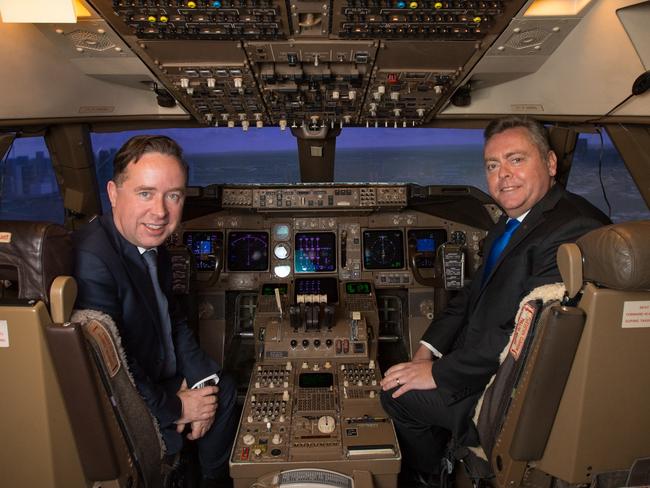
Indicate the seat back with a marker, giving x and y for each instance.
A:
(581, 402)
(116, 435)
(603, 421)
(37, 447)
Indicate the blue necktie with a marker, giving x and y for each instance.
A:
(499, 245)
(169, 367)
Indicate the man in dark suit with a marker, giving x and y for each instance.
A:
(122, 270)
(434, 395)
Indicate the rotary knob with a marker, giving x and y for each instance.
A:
(326, 424)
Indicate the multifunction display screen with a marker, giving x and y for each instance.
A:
(205, 246)
(315, 252)
(426, 243)
(318, 286)
(248, 251)
(383, 249)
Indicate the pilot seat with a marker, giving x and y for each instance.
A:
(38, 446)
(569, 404)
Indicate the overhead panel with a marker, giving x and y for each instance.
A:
(304, 62)
(313, 82)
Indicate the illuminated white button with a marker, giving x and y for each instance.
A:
(282, 271)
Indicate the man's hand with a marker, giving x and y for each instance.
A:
(200, 428)
(414, 375)
(198, 405)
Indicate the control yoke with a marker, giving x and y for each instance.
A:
(415, 256)
(213, 277)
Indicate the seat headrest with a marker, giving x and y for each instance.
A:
(617, 256)
(33, 254)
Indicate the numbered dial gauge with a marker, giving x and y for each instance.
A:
(281, 250)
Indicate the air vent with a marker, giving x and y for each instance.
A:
(527, 39)
(91, 41)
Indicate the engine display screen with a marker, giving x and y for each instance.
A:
(248, 251)
(426, 243)
(383, 249)
(205, 246)
(315, 252)
(318, 286)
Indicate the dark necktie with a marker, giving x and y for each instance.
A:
(499, 245)
(169, 368)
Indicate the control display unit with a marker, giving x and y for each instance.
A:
(315, 252)
(248, 251)
(383, 249)
(205, 246)
(315, 380)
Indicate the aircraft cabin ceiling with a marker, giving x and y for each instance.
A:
(399, 63)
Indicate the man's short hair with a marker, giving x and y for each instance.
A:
(538, 133)
(138, 146)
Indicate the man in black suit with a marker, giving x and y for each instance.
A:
(434, 395)
(122, 269)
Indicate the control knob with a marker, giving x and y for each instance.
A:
(326, 424)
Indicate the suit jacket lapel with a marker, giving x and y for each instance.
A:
(532, 221)
(134, 266)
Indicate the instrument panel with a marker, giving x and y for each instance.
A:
(341, 237)
(324, 276)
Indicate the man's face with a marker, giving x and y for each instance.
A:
(148, 203)
(517, 176)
